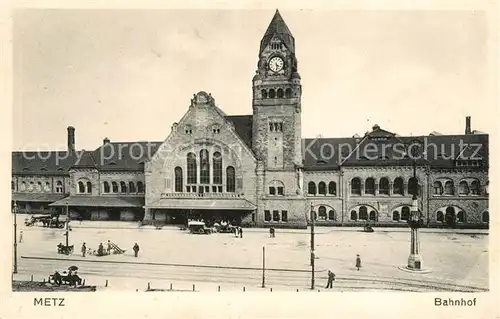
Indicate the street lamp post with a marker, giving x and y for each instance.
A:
(415, 261)
(15, 237)
(67, 224)
(313, 217)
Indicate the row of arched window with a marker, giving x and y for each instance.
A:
(322, 214)
(123, 187)
(384, 186)
(279, 93)
(463, 187)
(217, 177)
(38, 187)
(362, 214)
(322, 189)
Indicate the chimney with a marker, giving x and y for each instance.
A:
(467, 125)
(71, 139)
(105, 141)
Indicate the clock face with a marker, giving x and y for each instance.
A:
(276, 64)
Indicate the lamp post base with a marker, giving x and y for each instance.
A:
(415, 265)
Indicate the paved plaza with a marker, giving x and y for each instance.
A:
(459, 261)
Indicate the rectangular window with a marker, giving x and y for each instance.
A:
(267, 216)
(207, 189)
(188, 189)
(276, 215)
(284, 216)
(193, 189)
(280, 190)
(219, 188)
(253, 217)
(214, 189)
(272, 191)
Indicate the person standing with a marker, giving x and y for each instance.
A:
(331, 279)
(84, 249)
(136, 249)
(109, 247)
(358, 262)
(21, 236)
(241, 232)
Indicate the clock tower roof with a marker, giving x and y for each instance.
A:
(278, 28)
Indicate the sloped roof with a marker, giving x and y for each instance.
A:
(278, 27)
(125, 156)
(381, 148)
(243, 126)
(43, 162)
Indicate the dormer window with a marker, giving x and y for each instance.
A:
(215, 129)
(188, 130)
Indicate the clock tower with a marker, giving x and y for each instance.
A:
(277, 92)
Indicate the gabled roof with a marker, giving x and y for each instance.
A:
(278, 28)
(243, 126)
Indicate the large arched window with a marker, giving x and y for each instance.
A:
(280, 93)
(438, 188)
(178, 179)
(413, 186)
(475, 187)
(191, 168)
(322, 188)
(89, 187)
(217, 163)
(311, 188)
(449, 188)
(123, 187)
(405, 213)
(272, 94)
(204, 167)
(463, 188)
(288, 93)
(331, 215)
(363, 213)
(115, 187)
(332, 188)
(373, 215)
(322, 213)
(106, 187)
(370, 186)
(81, 187)
(398, 188)
(461, 217)
(131, 187)
(140, 187)
(264, 94)
(230, 180)
(383, 186)
(356, 186)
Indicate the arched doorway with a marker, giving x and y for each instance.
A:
(449, 217)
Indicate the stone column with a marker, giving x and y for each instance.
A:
(376, 189)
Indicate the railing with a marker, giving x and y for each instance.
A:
(201, 195)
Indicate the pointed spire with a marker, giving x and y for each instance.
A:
(278, 27)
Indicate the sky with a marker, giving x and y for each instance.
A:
(129, 74)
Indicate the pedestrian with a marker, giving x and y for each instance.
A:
(331, 279)
(109, 247)
(84, 249)
(358, 262)
(236, 231)
(271, 232)
(100, 250)
(136, 249)
(241, 232)
(21, 236)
